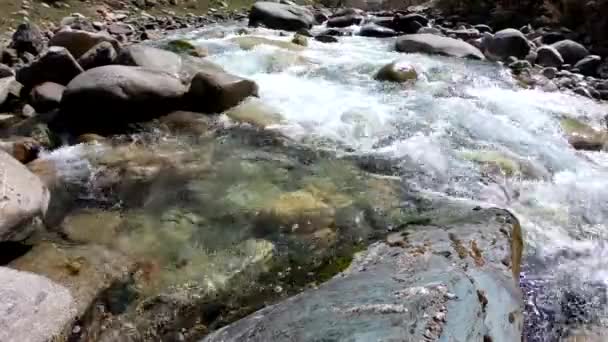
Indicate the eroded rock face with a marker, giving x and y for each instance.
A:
(34, 308)
(454, 280)
(280, 16)
(437, 45)
(22, 198)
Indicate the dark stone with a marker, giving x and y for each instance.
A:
(552, 37)
(548, 56)
(589, 65)
(99, 55)
(345, 21)
(483, 28)
(437, 45)
(9, 57)
(6, 71)
(373, 30)
(409, 23)
(326, 38)
(56, 65)
(28, 38)
(505, 43)
(571, 51)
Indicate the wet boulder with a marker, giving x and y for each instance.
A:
(397, 71)
(112, 96)
(46, 96)
(28, 38)
(56, 65)
(300, 39)
(506, 43)
(345, 20)
(34, 308)
(250, 42)
(409, 23)
(255, 112)
(150, 58)
(455, 280)
(548, 56)
(324, 38)
(582, 136)
(571, 51)
(214, 91)
(374, 30)
(437, 45)
(101, 54)
(79, 42)
(280, 16)
(589, 65)
(24, 199)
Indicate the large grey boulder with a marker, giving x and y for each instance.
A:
(34, 309)
(150, 58)
(437, 45)
(548, 56)
(23, 197)
(78, 42)
(455, 280)
(112, 96)
(56, 65)
(280, 16)
(506, 43)
(571, 51)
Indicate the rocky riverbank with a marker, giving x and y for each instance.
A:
(168, 221)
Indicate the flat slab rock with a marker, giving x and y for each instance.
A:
(451, 281)
(34, 309)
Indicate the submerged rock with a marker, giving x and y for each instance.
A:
(24, 198)
(437, 45)
(34, 308)
(454, 280)
(582, 136)
(250, 42)
(280, 16)
(299, 39)
(397, 71)
(255, 112)
(183, 46)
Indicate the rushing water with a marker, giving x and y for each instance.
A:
(448, 132)
(457, 107)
